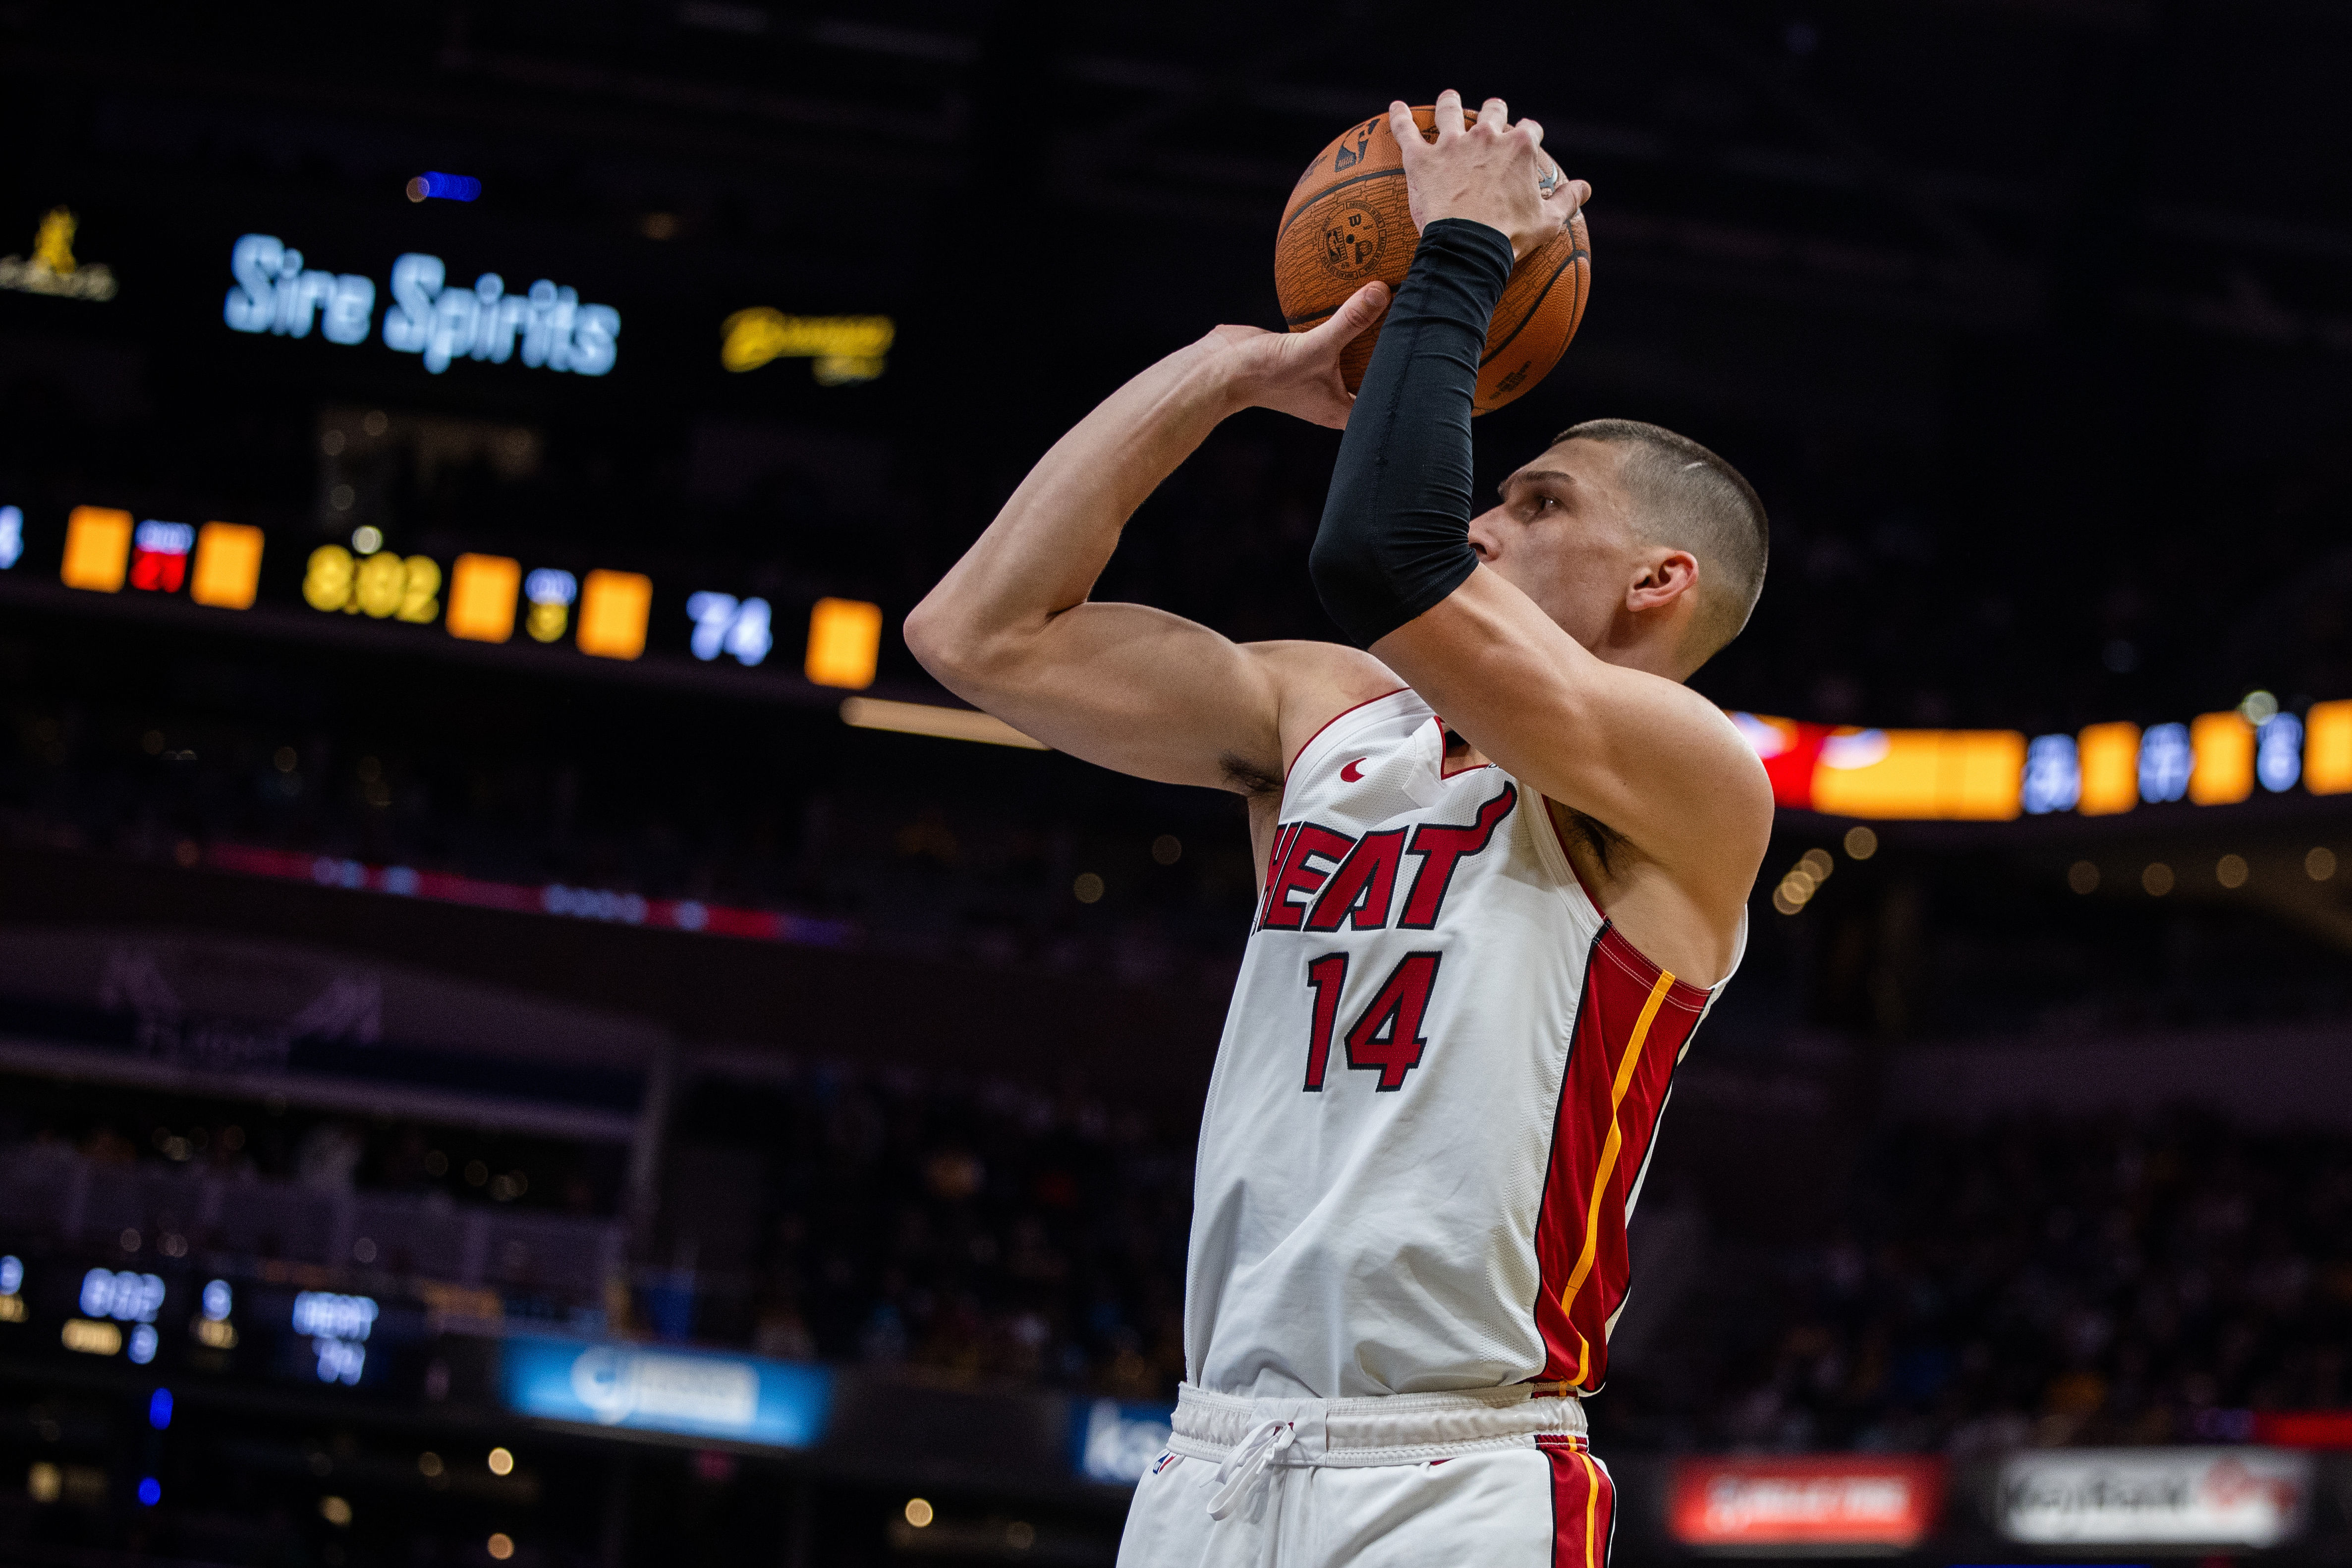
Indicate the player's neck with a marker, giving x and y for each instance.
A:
(1460, 753)
(1651, 641)
(1648, 651)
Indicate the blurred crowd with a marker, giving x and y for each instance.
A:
(976, 1230)
(1073, 872)
(2030, 1281)
(1142, 882)
(2036, 1281)
(121, 1128)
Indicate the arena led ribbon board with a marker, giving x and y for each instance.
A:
(1994, 776)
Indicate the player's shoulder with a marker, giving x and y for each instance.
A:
(1741, 769)
(1700, 732)
(1723, 791)
(1318, 681)
(1301, 667)
(1705, 802)
(1312, 683)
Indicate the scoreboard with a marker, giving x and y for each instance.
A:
(473, 596)
(264, 376)
(181, 1320)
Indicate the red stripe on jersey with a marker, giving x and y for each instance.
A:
(1630, 1028)
(1583, 1504)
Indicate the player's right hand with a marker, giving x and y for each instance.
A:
(1487, 170)
(1296, 373)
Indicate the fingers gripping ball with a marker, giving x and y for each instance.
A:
(1347, 224)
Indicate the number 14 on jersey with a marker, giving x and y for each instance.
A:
(1386, 1038)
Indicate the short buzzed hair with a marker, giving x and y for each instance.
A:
(1685, 496)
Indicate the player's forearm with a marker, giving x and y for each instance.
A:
(1046, 549)
(1395, 534)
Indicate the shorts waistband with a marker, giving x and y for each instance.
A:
(1390, 1429)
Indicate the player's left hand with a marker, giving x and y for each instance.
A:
(1296, 373)
(1487, 170)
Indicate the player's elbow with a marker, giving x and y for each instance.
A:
(934, 638)
(1343, 577)
(1372, 586)
(958, 653)
(1327, 562)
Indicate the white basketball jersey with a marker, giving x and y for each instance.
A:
(1436, 1094)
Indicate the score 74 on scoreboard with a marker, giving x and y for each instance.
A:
(475, 597)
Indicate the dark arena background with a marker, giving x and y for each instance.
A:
(531, 1032)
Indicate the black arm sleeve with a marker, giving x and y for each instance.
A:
(1395, 535)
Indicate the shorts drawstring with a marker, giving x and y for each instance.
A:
(1243, 1470)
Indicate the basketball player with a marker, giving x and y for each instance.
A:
(1506, 860)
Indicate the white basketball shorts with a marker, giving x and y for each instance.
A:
(1500, 1477)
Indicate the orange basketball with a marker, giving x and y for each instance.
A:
(1347, 224)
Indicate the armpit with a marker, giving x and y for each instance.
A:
(1244, 776)
(1599, 836)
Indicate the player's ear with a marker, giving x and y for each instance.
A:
(1665, 578)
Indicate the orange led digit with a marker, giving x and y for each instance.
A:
(482, 591)
(227, 566)
(98, 549)
(2328, 748)
(2110, 754)
(613, 607)
(845, 643)
(2222, 764)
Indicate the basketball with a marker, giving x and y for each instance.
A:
(1346, 222)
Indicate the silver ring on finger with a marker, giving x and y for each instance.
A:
(1550, 182)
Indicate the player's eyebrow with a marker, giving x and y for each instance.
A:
(1529, 476)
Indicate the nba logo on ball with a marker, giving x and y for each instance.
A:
(1351, 241)
(1350, 221)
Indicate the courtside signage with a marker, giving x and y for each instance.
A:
(1845, 1502)
(2301, 1428)
(2250, 1497)
(545, 327)
(694, 1393)
(1115, 1441)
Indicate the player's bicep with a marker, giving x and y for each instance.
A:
(1137, 690)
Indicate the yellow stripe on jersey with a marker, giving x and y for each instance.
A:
(1609, 1148)
(1592, 1485)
